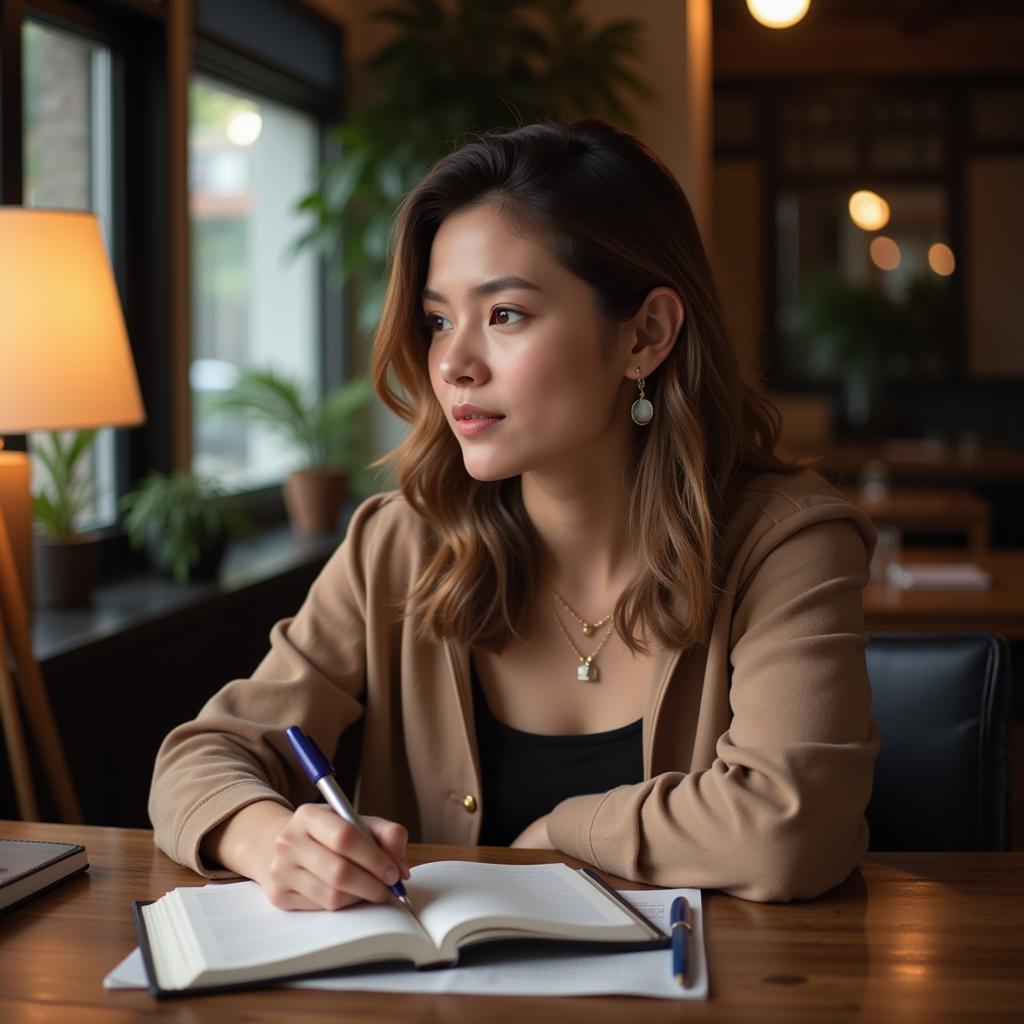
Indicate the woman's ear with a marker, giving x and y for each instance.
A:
(654, 330)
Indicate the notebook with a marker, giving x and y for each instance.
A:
(28, 868)
(210, 938)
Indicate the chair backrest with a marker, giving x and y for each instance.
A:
(942, 704)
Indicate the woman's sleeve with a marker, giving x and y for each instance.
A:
(235, 751)
(779, 815)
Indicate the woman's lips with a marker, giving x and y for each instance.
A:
(473, 427)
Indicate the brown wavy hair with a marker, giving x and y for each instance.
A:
(610, 212)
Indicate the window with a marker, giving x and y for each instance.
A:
(863, 234)
(68, 165)
(255, 305)
(864, 251)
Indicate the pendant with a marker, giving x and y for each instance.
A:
(587, 629)
(586, 672)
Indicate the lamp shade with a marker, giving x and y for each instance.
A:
(65, 362)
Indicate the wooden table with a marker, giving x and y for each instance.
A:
(922, 461)
(998, 610)
(913, 937)
(931, 511)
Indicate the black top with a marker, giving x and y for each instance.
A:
(525, 774)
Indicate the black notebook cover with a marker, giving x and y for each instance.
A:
(29, 867)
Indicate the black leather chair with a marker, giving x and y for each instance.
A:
(942, 705)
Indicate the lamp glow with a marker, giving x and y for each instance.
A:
(778, 13)
(868, 210)
(941, 259)
(67, 364)
(65, 361)
(885, 253)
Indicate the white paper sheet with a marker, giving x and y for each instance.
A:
(506, 972)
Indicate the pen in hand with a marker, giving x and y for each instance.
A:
(321, 774)
(682, 928)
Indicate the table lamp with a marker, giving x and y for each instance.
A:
(65, 364)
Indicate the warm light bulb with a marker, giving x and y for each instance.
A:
(778, 13)
(244, 127)
(941, 259)
(885, 253)
(868, 210)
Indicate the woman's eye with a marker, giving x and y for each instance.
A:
(431, 321)
(504, 310)
(500, 315)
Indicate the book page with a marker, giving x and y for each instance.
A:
(550, 971)
(236, 924)
(448, 894)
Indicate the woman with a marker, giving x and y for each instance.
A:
(598, 616)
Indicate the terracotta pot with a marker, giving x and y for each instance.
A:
(314, 498)
(65, 569)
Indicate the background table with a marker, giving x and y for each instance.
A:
(931, 511)
(914, 937)
(922, 461)
(997, 610)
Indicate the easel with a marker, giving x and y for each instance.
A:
(16, 645)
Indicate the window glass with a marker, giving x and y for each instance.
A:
(255, 305)
(864, 279)
(68, 165)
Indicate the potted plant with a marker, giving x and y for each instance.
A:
(64, 559)
(447, 69)
(328, 435)
(866, 339)
(184, 522)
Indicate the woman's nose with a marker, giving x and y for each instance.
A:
(461, 363)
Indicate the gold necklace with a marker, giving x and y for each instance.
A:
(586, 670)
(588, 627)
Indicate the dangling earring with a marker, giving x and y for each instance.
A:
(642, 410)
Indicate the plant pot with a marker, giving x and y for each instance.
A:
(211, 554)
(65, 569)
(313, 498)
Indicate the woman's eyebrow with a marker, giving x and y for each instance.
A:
(497, 284)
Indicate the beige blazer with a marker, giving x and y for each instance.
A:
(758, 748)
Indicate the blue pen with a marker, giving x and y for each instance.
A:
(682, 928)
(321, 774)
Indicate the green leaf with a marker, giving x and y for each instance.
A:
(66, 490)
(188, 511)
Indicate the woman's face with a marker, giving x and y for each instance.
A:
(517, 336)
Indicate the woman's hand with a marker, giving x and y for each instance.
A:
(312, 859)
(534, 836)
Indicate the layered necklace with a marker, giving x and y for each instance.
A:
(586, 669)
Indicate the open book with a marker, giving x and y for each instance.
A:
(225, 936)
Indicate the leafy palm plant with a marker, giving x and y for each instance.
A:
(184, 519)
(327, 433)
(448, 69)
(68, 490)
